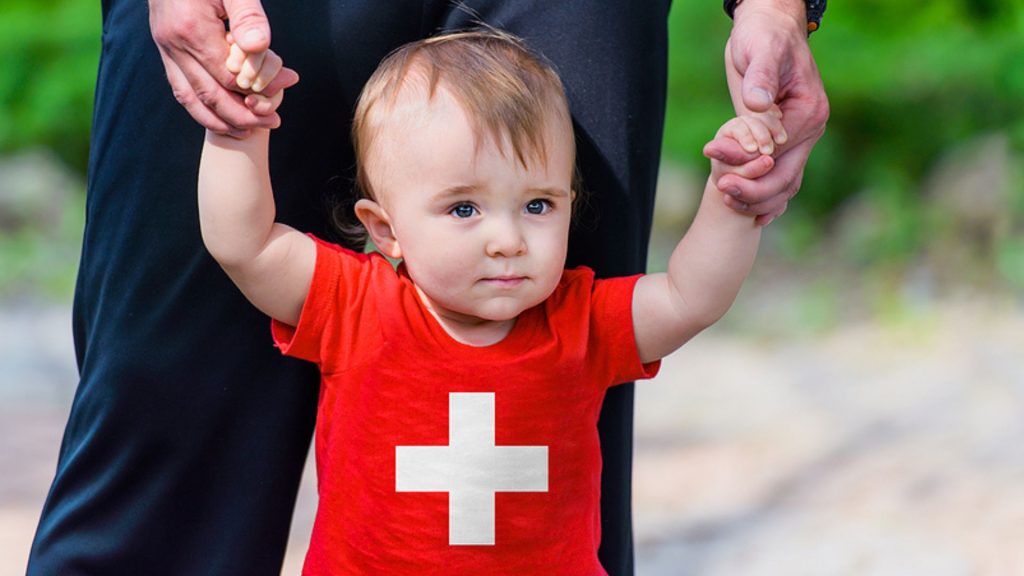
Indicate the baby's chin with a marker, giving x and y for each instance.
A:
(504, 309)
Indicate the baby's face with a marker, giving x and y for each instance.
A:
(482, 237)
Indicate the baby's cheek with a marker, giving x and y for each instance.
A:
(448, 281)
(551, 275)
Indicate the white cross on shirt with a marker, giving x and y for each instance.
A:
(471, 468)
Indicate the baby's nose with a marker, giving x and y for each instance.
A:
(506, 240)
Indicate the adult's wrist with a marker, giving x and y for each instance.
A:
(803, 12)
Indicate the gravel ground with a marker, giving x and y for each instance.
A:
(868, 449)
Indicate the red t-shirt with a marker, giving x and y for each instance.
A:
(433, 455)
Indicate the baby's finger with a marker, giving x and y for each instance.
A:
(235, 58)
(763, 136)
(271, 66)
(773, 121)
(739, 131)
(250, 69)
(264, 105)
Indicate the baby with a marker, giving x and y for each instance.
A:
(460, 392)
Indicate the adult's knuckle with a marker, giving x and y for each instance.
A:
(177, 31)
(184, 97)
(247, 16)
(822, 111)
(790, 191)
(161, 35)
(207, 96)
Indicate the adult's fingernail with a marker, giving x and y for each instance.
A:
(762, 95)
(733, 192)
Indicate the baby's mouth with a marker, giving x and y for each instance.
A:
(505, 281)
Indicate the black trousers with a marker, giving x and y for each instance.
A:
(187, 436)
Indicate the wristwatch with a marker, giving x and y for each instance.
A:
(815, 10)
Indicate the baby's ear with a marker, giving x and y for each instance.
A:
(378, 225)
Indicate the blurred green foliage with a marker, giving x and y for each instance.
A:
(50, 53)
(908, 83)
(41, 262)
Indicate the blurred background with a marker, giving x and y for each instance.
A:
(860, 409)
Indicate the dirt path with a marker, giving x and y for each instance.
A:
(867, 450)
(871, 450)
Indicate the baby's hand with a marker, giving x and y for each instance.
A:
(254, 72)
(754, 132)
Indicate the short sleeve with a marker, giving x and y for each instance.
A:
(612, 341)
(335, 301)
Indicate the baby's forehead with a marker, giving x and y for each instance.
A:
(421, 107)
(413, 102)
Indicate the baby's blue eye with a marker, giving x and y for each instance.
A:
(463, 211)
(537, 206)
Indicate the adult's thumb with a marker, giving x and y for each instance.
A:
(761, 83)
(248, 24)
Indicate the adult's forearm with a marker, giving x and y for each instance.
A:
(236, 202)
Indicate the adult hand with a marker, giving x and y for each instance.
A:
(769, 61)
(193, 45)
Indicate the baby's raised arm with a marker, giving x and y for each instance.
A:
(713, 259)
(271, 263)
